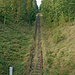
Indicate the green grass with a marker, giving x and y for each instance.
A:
(58, 37)
(15, 45)
(58, 45)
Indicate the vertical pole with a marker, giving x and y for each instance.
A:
(10, 70)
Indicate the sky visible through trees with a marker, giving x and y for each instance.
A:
(38, 2)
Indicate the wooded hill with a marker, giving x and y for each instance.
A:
(18, 10)
(16, 35)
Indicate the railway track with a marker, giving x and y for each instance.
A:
(36, 65)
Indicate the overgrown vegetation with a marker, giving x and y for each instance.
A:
(17, 10)
(15, 45)
(58, 33)
(16, 35)
(58, 36)
(58, 49)
(57, 12)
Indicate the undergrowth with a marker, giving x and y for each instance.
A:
(15, 44)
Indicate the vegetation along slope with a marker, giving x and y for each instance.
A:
(16, 35)
(58, 37)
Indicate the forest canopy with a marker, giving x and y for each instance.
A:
(58, 11)
(17, 10)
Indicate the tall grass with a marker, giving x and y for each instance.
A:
(15, 44)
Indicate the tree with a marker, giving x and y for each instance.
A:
(17, 10)
(57, 11)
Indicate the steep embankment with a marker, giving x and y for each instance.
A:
(58, 49)
(15, 45)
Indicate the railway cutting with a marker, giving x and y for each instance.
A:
(36, 65)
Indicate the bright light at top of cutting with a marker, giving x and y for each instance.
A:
(38, 2)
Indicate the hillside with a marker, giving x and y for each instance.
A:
(15, 44)
(17, 19)
(58, 36)
(58, 49)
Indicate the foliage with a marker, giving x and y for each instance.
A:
(17, 36)
(17, 10)
(57, 11)
(15, 47)
(32, 17)
(58, 48)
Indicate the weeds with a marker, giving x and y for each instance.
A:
(14, 46)
(59, 58)
(58, 37)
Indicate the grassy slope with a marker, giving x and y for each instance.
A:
(59, 58)
(15, 44)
